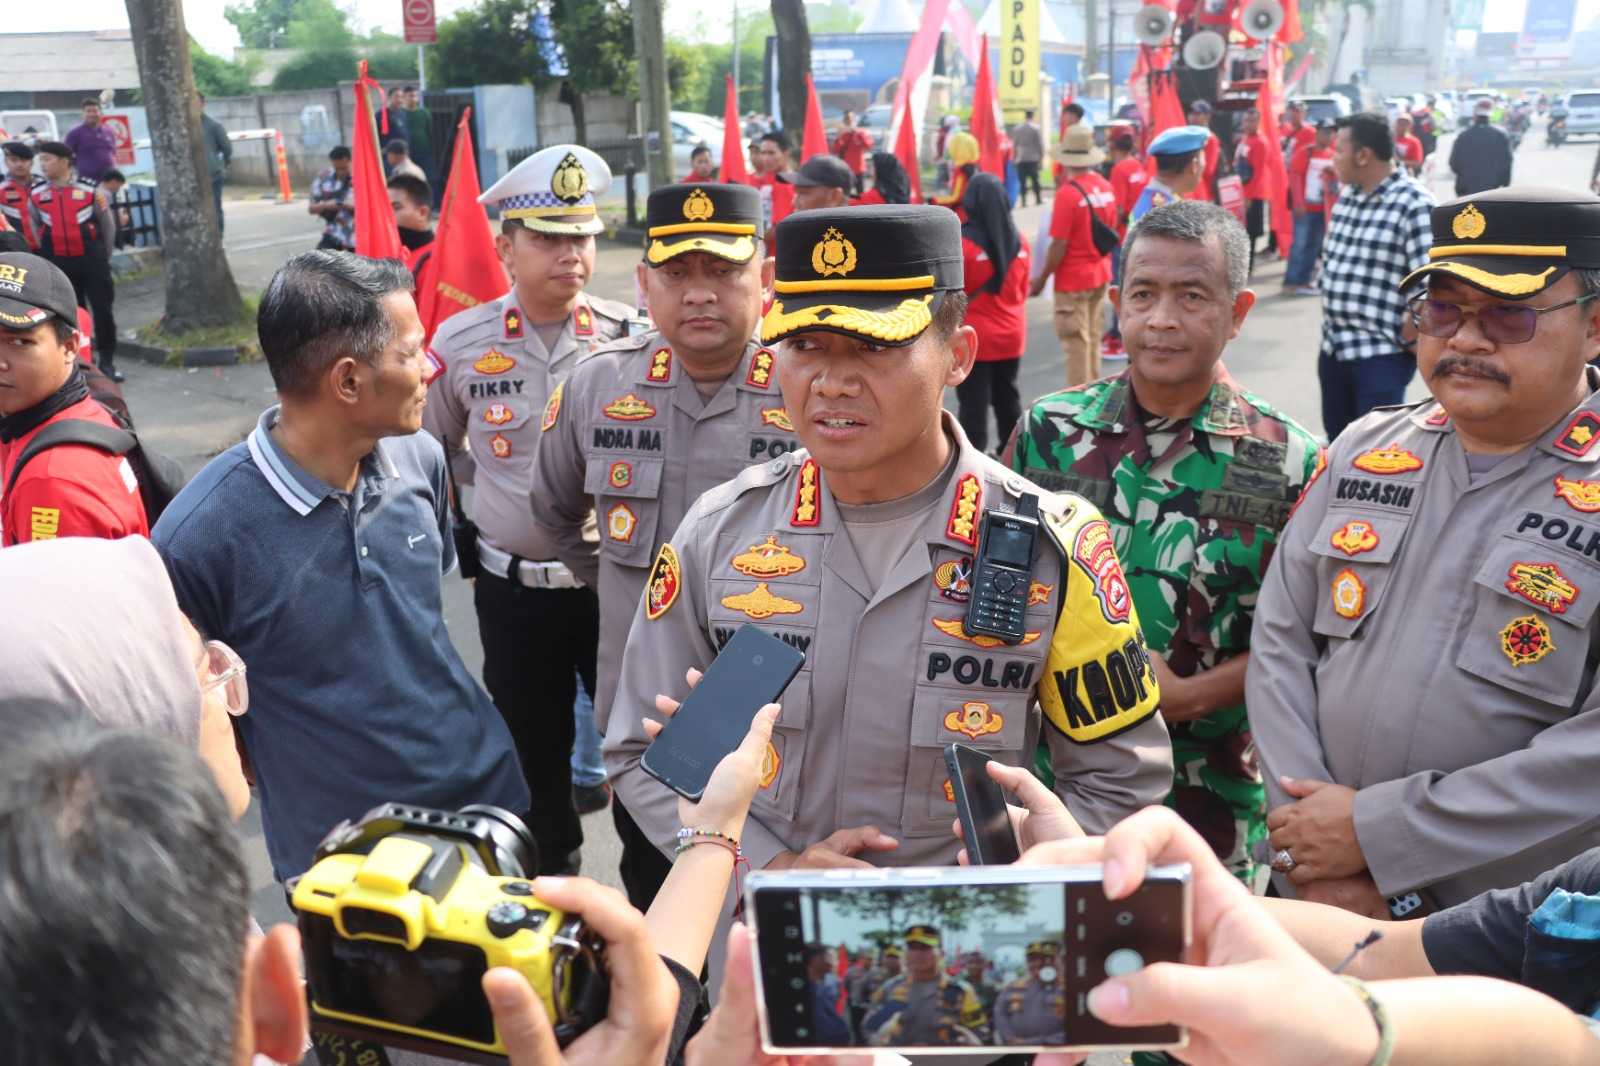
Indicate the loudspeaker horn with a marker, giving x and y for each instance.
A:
(1262, 19)
(1204, 50)
(1153, 25)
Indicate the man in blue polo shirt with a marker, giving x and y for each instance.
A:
(315, 549)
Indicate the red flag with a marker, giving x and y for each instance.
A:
(843, 969)
(1166, 108)
(1290, 31)
(1268, 102)
(732, 139)
(984, 126)
(815, 140)
(377, 235)
(464, 270)
(905, 150)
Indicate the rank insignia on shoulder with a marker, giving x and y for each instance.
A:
(963, 524)
(953, 580)
(513, 324)
(1580, 435)
(436, 367)
(620, 524)
(761, 602)
(493, 362)
(1391, 460)
(768, 559)
(760, 374)
(552, 409)
(974, 720)
(660, 370)
(582, 321)
(629, 408)
(1355, 537)
(500, 446)
(953, 627)
(620, 475)
(1349, 594)
(1526, 640)
(1543, 584)
(807, 505)
(497, 414)
(1094, 551)
(771, 765)
(1580, 495)
(664, 584)
(1039, 593)
(777, 416)
(1441, 417)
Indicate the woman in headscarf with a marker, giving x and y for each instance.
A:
(962, 148)
(890, 184)
(996, 263)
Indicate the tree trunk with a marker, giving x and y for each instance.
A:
(794, 61)
(1091, 45)
(200, 287)
(650, 50)
(580, 121)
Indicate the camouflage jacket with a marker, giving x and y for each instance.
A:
(1195, 507)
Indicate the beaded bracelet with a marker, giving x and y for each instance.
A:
(688, 838)
(1380, 1016)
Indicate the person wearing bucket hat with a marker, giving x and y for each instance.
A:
(1085, 211)
(925, 1007)
(857, 548)
(647, 423)
(493, 369)
(1462, 762)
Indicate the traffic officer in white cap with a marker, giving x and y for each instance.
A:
(495, 367)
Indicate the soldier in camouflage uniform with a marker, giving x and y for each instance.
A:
(1197, 478)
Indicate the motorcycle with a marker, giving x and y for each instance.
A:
(1555, 132)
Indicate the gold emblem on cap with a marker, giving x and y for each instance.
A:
(570, 181)
(1469, 223)
(698, 207)
(833, 254)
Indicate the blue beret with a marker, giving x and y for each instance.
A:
(1178, 140)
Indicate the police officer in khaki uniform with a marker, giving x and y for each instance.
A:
(1032, 1009)
(647, 423)
(858, 551)
(925, 1007)
(1425, 645)
(495, 366)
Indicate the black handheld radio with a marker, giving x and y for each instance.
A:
(1002, 573)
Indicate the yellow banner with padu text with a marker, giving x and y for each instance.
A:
(1019, 58)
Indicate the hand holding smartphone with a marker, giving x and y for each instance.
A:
(981, 806)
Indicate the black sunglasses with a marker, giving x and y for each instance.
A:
(1501, 323)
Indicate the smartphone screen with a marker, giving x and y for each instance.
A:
(751, 671)
(981, 806)
(877, 959)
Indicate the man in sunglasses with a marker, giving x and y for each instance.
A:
(1422, 673)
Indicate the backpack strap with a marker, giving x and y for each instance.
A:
(108, 439)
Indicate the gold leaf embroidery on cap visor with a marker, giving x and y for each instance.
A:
(1504, 284)
(738, 250)
(903, 322)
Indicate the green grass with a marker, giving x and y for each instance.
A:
(241, 333)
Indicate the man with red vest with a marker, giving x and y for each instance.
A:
(16, 192)
(76, 235)
(70, 490)
(1250, 161)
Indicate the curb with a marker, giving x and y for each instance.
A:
(186, 357)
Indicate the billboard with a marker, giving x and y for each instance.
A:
(1019, 57)
(1547, 30)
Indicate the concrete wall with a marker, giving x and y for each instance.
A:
(311, 122)
(609, 118)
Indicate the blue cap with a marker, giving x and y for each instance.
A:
(1178, 140)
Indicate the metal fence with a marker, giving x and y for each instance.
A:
(137, 211)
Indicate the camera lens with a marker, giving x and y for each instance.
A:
(515, 853)
(757, 660)
(1124, 917)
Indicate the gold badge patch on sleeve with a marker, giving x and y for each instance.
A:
(1526, 640)
(44, 523)
(666, 580)
(807, 507)
(761, 602)
(768, 559)
(1349, 594)
(1095, 552)
(963, 523)
(1384, 461)
(552, 408)
(660, 370)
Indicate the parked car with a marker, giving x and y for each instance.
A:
(1583, 112)
(1324, 108)
(875, 120)
(690, 129)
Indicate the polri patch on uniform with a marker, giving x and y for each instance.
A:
(620, 475)
(1096, 553)
(493, 361)
(953, 580)
(1355, 537)
(1384, 461)
(500, 446)
(807, 504)
(963, 523)
(513, 324)
(666, 581)
(953, 627)
(1580, 495)
(777, 417)
(1542, 584)
(552, 409)
(771, 765)
(498, 414)
(760, 373)
(660, 371)
(629, 408)
(1580, 435)
(1349, 594)
(974, 719)
(768, 559)
(436, 367)
(1526, 640)
(44, 523)
(620, 523)
(582, 321)
(761, 602)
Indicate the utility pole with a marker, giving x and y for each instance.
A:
(1091, 41)
(1111, 58)
(736, 57)
(655, 101)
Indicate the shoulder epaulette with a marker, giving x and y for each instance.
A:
(759, 476)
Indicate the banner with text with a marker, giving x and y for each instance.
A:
(1019, 57)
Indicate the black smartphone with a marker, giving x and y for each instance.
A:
(981, 806)
(751, 671)
(1034, 939)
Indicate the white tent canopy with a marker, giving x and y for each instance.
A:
(890, 16)
(1049, 32)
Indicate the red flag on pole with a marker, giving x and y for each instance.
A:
(733, 139)
(1291, 31)
(984, 125)
(464, 270)
(815, 140)
(842, 968)
(905, 150)
(377, 235)
(1268, 102)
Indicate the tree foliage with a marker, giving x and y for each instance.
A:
(324, 68)
(290, 23)
(950, 907)
(491, 43)
(215, 76)
(596, 37)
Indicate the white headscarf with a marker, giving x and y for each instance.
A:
(92, 626)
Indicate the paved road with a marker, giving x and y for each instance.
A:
(194, 414)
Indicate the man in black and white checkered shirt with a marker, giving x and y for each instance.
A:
(1379, 233)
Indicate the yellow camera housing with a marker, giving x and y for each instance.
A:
(399, 939)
